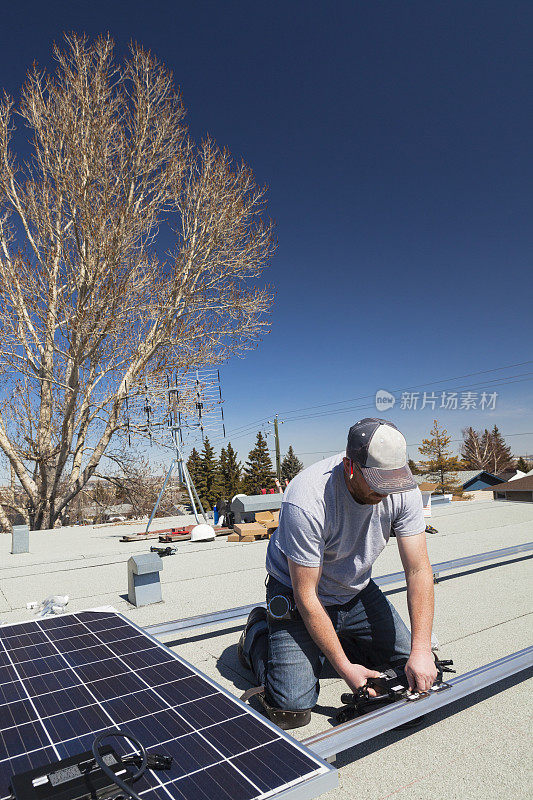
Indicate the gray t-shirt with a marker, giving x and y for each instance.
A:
(322, 525)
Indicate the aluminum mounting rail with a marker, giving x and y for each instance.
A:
(334, 740)
(241, 612)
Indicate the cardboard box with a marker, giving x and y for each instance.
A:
(264, 517)
(267, 518)
(236, 537)
(250, 528)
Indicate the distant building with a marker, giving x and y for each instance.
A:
(476, 485)
(108, 513)
(511, 475)
(519, 489)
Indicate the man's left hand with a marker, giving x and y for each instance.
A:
(421, 670)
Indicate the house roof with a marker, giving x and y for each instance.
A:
(484, 473)
(461, 475)
(427, 487)
(508, 474)
(124, 508)
(518, 485)
(454, 755)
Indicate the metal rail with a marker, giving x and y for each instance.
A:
(332, 741)
(241, 612)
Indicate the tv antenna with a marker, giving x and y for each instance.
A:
(177, 408)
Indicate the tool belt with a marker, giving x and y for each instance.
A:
(283, 718)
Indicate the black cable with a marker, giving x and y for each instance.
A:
(128, 790)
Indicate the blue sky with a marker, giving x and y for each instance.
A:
(396, 141)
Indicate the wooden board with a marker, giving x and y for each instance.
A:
(169, 534)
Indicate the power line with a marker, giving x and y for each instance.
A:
(244, 430)
(409, 444)
(495, 381)
(407, 388)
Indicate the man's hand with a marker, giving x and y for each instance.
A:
(356, 676)
(420, 670)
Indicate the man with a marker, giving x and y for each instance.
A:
(336, 518)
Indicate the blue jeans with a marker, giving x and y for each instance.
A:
(286, 660)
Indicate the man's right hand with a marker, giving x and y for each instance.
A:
(356, 676)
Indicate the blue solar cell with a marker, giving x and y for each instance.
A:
(31, 652)
(21, 739)
(189, 753)
(63, 700)
(133, 645)
(220, 781)
(115, 633)
(98, 625)
(183, 690)
(77, 723)
(150, 658)
(274, 764)
(163, 673)
(65, 632)
(77, 642)
(209, 710)
(237, 735)
(89, 655)
(7, 674)
(115, 687)
(49, 623)
(23, 639)
(40, 666)
(4, 659)
(16, 630)
(74, 747)
(16, 713)
(11, 691)
(156, 728)
(126, 708)
(51, 681)
(102, 669)
(23, 763)
(97, 616)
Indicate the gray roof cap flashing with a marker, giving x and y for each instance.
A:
(143, 563)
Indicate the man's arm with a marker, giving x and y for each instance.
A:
(304, 585)
(420, 668)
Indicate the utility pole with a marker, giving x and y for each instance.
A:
(276, 440)
(278, 457)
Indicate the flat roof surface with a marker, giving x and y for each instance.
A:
(475, 748)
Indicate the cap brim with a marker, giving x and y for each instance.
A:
(386, 481)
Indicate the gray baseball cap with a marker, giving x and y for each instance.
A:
(380, 450)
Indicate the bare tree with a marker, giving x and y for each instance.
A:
(476, 448)
(88, 304)
(486, 450)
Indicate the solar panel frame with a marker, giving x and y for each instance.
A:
(309, 785)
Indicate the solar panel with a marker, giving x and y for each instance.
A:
(63, 679)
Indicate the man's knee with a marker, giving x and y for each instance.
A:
(291, 697)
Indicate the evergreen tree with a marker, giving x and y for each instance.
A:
(523, 465)
(258, 470)
(208, 485)
(500, 457)
(291, 465)
(194, 465)
(412, 466)
(440, 464)
(229, 469)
